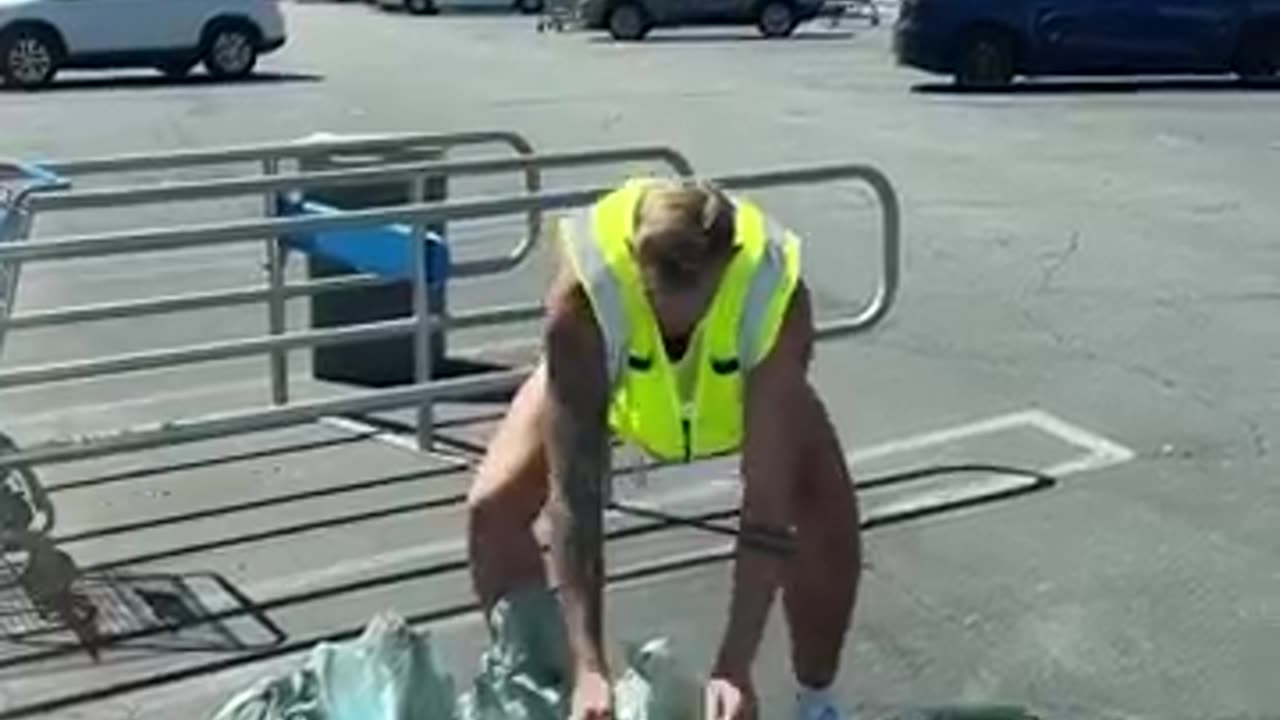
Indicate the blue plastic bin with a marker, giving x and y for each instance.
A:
(384, 251)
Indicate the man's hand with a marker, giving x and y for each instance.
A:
(592, 697)
(729, 699)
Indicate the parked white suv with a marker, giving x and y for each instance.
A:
(39, 37)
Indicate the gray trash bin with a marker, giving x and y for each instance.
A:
(376, 363)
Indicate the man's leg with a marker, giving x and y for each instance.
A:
(822, 579)
(506, 498)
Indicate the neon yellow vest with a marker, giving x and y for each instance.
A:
(738, 330)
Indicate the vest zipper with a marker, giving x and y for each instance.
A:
(687, 426)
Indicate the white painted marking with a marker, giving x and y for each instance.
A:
(1102, 453)
(116, 406)
(356, 427)
(399, 441)
(922, 441)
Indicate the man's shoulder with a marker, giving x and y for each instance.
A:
(793, 347)
(568, 311)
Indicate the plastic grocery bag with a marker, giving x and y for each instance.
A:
(392, 673)
(524, 672)
(389, 673)
(655, 686)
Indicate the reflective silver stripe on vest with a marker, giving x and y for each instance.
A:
(602, 286)
(765, 282)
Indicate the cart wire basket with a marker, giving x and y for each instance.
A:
(560, 16)
(29, 562)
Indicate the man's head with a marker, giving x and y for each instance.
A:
(683, 240)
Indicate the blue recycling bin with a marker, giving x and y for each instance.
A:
(382, 250)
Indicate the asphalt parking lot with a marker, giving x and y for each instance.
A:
(1090, 286)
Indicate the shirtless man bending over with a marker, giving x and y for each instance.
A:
(679, 321)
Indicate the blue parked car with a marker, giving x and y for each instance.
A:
(986, 43)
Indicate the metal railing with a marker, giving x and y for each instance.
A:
(423, 393)
(270, 156)
(277, 291)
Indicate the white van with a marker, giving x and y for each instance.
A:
(40, 37)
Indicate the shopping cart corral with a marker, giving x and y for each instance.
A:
(385, 222)
(837, 11)
(382, 220)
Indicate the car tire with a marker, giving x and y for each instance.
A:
(776, 19)
(1258, 57)
(530, 7)
(986, 61)
(231, 50)
(628, 22)
(421, 7)
(29, 57)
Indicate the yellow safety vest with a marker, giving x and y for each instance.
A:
(738, 330)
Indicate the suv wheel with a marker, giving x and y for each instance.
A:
(231, 50)
(421, 7)
(29, 58)
(986, 61)
(627, 21)
(777, 19)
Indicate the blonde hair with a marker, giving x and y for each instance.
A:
(682, 227)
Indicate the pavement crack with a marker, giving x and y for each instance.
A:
(1257, 440)
(1056, 261)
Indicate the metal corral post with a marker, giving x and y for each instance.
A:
(276, 309)
(422, 316)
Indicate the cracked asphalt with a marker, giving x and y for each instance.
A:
(1103, 251)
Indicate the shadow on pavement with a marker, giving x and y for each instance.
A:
(957, 712)
(160, 82)
(445, 10)
(1108, 87)
(730, 37)
(159, 612)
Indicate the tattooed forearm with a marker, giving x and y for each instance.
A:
(578, 455)
(579, 460)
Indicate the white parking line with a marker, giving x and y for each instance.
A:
(114, 407)
(1101, 453)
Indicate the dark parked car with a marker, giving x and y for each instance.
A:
(633, 19)
(989, 42)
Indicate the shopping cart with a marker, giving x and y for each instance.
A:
(560, 15)
(836, 11)
(36, 578)
(18, 182)
(24, 508)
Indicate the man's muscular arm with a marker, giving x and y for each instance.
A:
(577, 440)
(769, 462)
